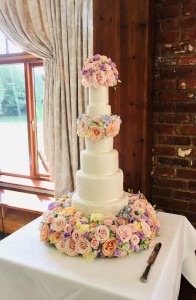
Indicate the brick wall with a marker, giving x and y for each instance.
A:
(174, 165)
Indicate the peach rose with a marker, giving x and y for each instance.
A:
(56, 237)
(48, 216)
(114, 228)
(124, 233)
(98, 78)
(96, 133)
(132, 227)
(68, 228)
(135, 239)
(58, 223)
(94, 243)
(44, 232)
(86, 80)
(76, 235)
(69, 210)
(70, 247)
(83, 246)
(145, 228)
(61, 246)
(102, 233)
(113, 128)
(109, 247)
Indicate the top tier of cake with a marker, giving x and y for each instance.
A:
(98, 102)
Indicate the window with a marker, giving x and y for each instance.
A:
(21, 113)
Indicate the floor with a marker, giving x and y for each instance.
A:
(187, 291)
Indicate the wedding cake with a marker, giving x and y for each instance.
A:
(99, 182)
(99, 219)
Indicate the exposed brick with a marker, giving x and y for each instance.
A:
(163, 202)
(161, 191)
(177, 72)
(192, 186)
(174, 140)
(156, 73)
(174, 118)
(165, 84)
(185, 107)
(168, 12)
(169, 37)
(177, 204)
(184, 173)
(188, 34)
(187, 60)
(164, 171)
(166, 61)
(186, 130)
(184, 195)
(170, 182)
(189, 9)
(164, 129)
(173, 161)
(175, 96)
(172, 24)
(161, 150)
(192, 207)
(175, 48)
(187, 84)
(164, 107)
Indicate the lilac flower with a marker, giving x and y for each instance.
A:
(116, 76)
(117, 252)
(53, 205)
(91, 71)
(105, 119)
(112, 64)
(83, 72)
(96, 57)
(66, 236)
(103, 67)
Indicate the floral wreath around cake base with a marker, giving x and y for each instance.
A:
(131, 230)
(98, 127)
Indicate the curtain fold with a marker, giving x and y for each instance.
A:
(61, 33)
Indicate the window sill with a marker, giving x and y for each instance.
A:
(27, 185)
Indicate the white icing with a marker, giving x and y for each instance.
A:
(98, 95)
(99, 162)
(99, 183)
(103, 145)
(98, 110)
(99, 187)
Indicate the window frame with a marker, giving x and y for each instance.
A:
(29, 61)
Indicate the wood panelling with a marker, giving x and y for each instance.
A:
(123, 31)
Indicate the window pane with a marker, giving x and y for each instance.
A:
(2, 43)
(14, 152)
(39, 93)
(12, 48)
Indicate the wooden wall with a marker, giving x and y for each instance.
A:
(123, 31)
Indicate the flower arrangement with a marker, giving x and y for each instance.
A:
(98, 127)
(74, 234)
(99, 70)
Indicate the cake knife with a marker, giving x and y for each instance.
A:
(151, 260)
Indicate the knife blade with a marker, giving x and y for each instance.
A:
(151, 260)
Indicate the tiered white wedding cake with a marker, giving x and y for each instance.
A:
(99, 219)
(99, 182)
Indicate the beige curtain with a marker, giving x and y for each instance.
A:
(60, 32)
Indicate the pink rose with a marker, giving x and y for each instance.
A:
(132, 227)
(135, 239)
(61, 246)
(145, 228)
(124, 233)
(76, 235)
(68, 228)
(96, 118)
(113, 128)
(113, 228)
(83, 246)
(109, 247)
(94, 243)
(58, 223)
(98, 78)
(108, 222)
(78, 214)
(102, 233)
(86, 80)
(96, 133)
(70, 247)
(48, 216)
(44, 232)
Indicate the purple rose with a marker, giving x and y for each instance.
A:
(96, 57)
(103, 67)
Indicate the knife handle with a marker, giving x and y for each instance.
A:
(144, 276)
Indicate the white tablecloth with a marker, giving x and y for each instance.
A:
(32, 270)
